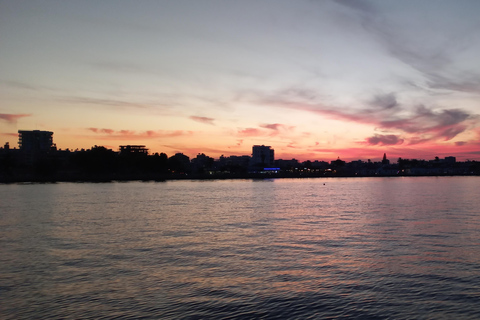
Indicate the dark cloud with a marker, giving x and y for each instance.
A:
(12, 118)
(445, 123)
(463, 83)
(384, 140)
(205, 120)
(273, 126)
(277, 126)
(450, 133)
(385, 101)
(384, 112)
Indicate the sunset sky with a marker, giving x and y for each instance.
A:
(315, 80)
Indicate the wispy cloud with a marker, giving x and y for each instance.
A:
(205, 120)
(10, 134)
(110, 134)
(105, 102)
(250, 132)
(434, 61)
(384, 112)
(123, 67)
(19, 85)
(267, 130)
(12, 118)
(276, 126)
(97, 130)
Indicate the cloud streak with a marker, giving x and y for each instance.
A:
(266, 130)
(434, 61)
(250, 132)
(106, 102)
(384, 112)
(12, 118)
(110, 134)
(277, 127)
(204, 120)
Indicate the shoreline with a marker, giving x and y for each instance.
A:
(163, 178)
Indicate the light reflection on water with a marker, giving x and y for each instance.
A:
(398, 248)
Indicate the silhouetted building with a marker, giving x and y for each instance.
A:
(35, 141)
(450, 160)
(202, 163)
(179, 163)
(132, 149)
(287, 164)
(35, 145)
(233, 164)
(262, 156)
(338, 162)
(385, 161)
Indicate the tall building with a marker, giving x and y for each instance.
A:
(35, 141)
(385, 161)
(262, 156)
(35, 145)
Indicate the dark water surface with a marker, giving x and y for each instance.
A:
(353, 248)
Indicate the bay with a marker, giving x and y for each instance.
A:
(352, 248)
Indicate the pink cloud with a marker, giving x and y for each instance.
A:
(250, 132)
(97, 130)
(273, 130)
(110, 134)
(12, 118)
(382, 111)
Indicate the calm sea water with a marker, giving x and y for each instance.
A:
(353, 248)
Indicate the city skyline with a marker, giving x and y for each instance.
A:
(41, 143)
(314, 80)
(38, 160)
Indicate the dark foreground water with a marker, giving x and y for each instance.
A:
(364, 248)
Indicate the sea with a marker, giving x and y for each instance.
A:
(322, 248)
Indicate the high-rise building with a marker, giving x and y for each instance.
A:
(35, 145)
(35, 141)
(262, 156)
(385, 161)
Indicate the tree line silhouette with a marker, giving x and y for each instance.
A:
(102, 164)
